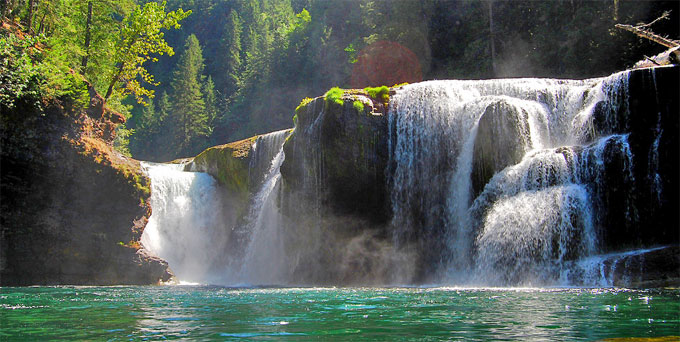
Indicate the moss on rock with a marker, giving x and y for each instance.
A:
(228, 163)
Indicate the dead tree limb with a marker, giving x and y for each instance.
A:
(669, 43)
(641, 30)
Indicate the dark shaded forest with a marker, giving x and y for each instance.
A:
(242, 66)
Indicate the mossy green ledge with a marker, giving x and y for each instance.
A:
(228, 164)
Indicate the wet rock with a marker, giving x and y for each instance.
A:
(502, 139)
(647, 110)
(343, 148)
(657, 268)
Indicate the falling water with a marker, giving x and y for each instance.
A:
(184, 227)
(535, 215)
(498, 182)
(264, 260)
(188, 230)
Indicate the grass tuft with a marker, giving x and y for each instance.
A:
(379, 93)
(334, 95)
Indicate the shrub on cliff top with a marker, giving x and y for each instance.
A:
(334, 95)
(21, 76)
(379, 93)
(303, 103)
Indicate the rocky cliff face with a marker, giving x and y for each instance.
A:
(335, 193)
(73, 209)
(338, 153)
(649, 113)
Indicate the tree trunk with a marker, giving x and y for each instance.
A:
(42, 21)
(669, 43)
(29, 24)
(5, 6)
(87, 36)
(491, 38)
(113, 82)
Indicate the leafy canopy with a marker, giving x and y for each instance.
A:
(140, 38)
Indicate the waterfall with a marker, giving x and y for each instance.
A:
(516, 182)
(503, 176)
(265, 259)
(185, 227)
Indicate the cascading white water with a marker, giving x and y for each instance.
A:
(185, 227)
(264, 261)
(499, 182)
(188, 230)
(533, 218)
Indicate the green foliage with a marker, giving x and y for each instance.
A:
(358, 105)
(351, 53)
(264, 56)
(210, 99)
(381, 93)
(231, 61)
(122, 140)
(140, 38)
(301, 21)
(188, 104)
(334, 95)
(20, 75)
(303, 103)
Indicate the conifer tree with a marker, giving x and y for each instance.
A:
(210, 100)
(188, 104)
(233, 62)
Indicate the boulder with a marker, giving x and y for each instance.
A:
(503, 137)
(658, 267)
(338, 153)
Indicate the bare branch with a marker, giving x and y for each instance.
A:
(664, 16)
(642, 30)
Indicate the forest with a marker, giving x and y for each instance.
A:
(189, 74)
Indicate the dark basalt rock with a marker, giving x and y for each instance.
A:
(502, 140)
(344, 149)
(648, 112)
(657, 268)
(72, 209)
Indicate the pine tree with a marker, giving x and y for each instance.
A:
(163, 148)
(232, 63)
(146, 128)
(188, 104)
(210, 100)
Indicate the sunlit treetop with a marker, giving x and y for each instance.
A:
(142, 39)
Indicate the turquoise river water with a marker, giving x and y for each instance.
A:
(150, 313)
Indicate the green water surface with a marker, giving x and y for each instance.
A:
(150, 313)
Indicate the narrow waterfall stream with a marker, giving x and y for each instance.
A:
(188, 230)
(265, 258)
